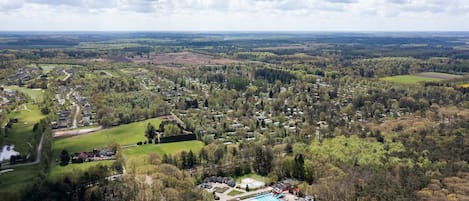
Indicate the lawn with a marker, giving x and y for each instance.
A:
(35, 94)
(21, 134)
(58, 170)
(235, 193)
(16, 181)
(409, 79)
(123, 135)
(161, 149)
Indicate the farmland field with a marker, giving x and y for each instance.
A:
(443, 76)
(123, 134)
(420, 77)
(58, 170)
(21, 134)
(165, 148)
(408, 79)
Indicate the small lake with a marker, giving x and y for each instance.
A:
(8, 151)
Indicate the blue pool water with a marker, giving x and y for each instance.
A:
(266, 197)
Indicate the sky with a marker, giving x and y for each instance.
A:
(234, 15)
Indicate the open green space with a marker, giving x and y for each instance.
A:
(409, 79)
(235, 193)
(58, 170)
(123, 134)
(21, 134)
(166, 148)
(35, 94)
(18, 179)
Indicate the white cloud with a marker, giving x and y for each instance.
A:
(378, 15)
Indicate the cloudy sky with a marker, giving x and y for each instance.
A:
(235, 15)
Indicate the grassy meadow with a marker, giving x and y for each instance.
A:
(21, 134)
(57, 170)
(409, 79)
(18, 179)
(165, 148)
(35, 94)
(420, 77)
(123, 135)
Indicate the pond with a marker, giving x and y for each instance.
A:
(8, 151)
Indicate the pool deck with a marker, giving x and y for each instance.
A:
(224, 196)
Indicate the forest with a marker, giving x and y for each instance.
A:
(344, 116)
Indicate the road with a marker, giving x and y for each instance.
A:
(67, 75)
(35, 162)
(77, 109)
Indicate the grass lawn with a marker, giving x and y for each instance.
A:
(409, 79)
(35, 94)
(21, 134)
(235, 193)
(16, 181)
(58, 170)
(173, 147)
(123, 134)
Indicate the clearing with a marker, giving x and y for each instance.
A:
(165, 148)
(16, 180)
(123, 135)
(180, 59)
(21, 134)
(420, 77)
(35, 94)
(75, 168)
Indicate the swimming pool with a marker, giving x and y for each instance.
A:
(265, 197)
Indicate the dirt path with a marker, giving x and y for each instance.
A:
(70, 133)
(38, 157)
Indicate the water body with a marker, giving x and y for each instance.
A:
(7, 152)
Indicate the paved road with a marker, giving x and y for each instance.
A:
(68, 75)
(77, 109)
(35, 162)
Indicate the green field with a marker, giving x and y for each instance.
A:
(123, 134)
(421, 77)
(58, 170)
(35, 94)
(21, 134)
(235, 192)
(161, 149)
(409, 79)
(16, 181)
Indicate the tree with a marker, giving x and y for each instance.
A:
(171, 130)
(150, 132)
(190, 159)
(64, 158)
(299, 169)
